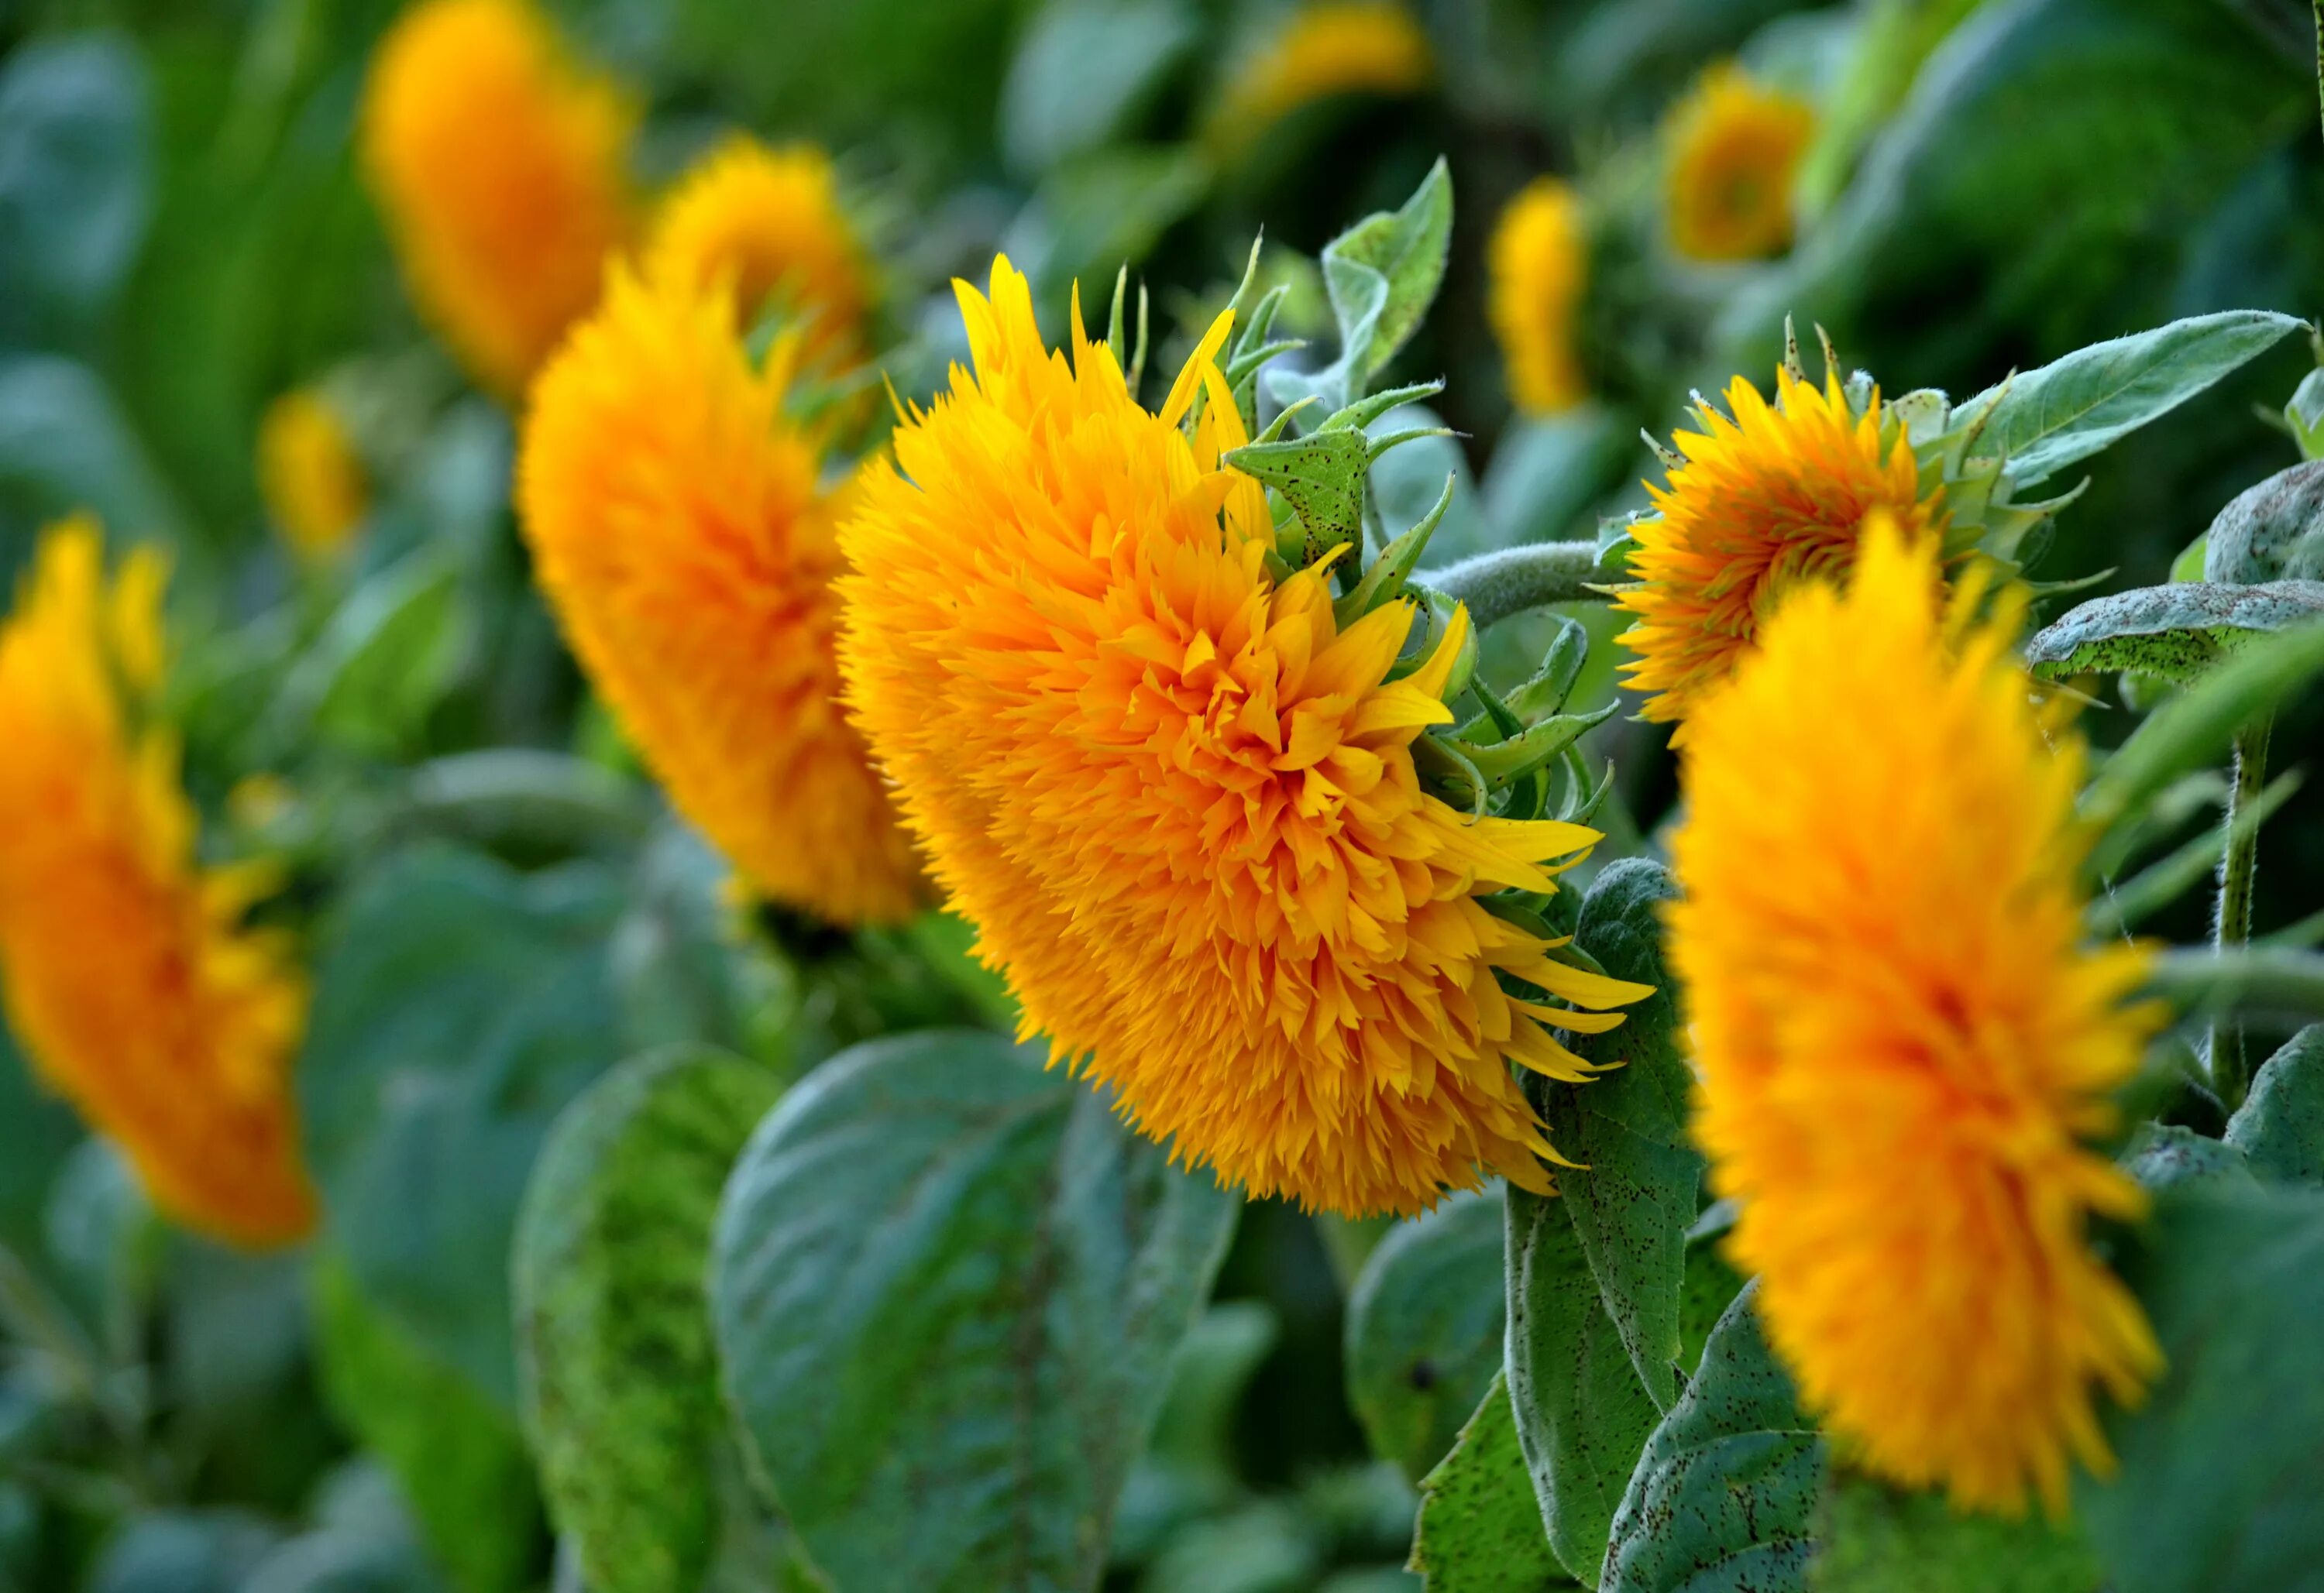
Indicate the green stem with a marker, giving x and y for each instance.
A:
(2277, 983)
(2232, 927)
(1495, 585)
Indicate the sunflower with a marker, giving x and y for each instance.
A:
(1329, 47)
(310, 474)
(127, 975)
(680, 528)
(1177, 799)
(498, 162)
(768, 222)
(1733, 148)
(1902, 1045)
(1777, 495)
(1539, 259)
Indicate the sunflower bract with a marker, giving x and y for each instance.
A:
(680, 528)
(1178, 802)
(1539, 262)
(1734, 148)
(1769, 495)
(127, 975)
(1902, 1045)
(498, 163)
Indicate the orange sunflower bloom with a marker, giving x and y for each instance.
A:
(1903, 1045)
(128, 978)
(498, 162)
(1734, 150)
(1539, 263)
(681, 530)
(310, 476)
(1177, 799)
(1777, 495)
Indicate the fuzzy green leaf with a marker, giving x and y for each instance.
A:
(1424, 1331)
(612, 1247)
(947, 1287)
(2280, 1127)
(1480, 1530)
(2043, 420)
(1877, 1540)
(1321, 476)
(1382, 276)
(2174, 632)
(1636, 1194)
(1725, 1497)
(2272, 530)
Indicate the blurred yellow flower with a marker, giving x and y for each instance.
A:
(1776, 495)
(127, 975)
(498, 162)
(680, 528)
(310, 474)
(1539, 261)
(1733, 147)
(1323, 48)
(768, 222)
(1177, 800)
(1900, 1044)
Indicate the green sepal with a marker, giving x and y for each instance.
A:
(1384, 581)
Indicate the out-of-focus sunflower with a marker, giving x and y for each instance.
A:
(1327, 48)
(310, 474)
(127, 974)
(768, 222)
(1733, 147)
(1768, 496)
(498, 162)
(1902, 1045)
(1539, 259)
(679, 527)
(1177, 799)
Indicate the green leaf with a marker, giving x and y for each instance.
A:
(458, 1005)
(2041, 421)
(1480, 1530)
(1582, 1415)
(2272, 530)
(380, 662)
(457, 1457)
(2219, 1469)
(947, 1287)
(2280, 1126)
(1321, 476)
(1083, 72)
(1424, 1331)
(1877, 1540)
(2305, 414)
(182, 1552)
(1636, 1193)
(74, 183)
(1382, 276)
(2166, 1155)
(66, 445)
(1724, 1499)
(612, 1246)
(2174, 632)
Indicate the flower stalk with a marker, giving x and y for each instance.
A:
(1495, 585)
(2231, 928)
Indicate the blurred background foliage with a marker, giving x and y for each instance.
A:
(498, 909)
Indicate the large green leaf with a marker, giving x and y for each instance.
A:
(2272, 530)
(2174, 632)
(2280, 1126)
(947, 1287)
(1877, 1540)
(2221, 1466)
(457, 1457)
(1424, 1331)
(1582, 1416)
(75, 187)
(182, 1552)
(1382, 276)
(1084, 71)
(2041, 421)
(458, 1005)
(382, 660)
(65, 446)
(613, 1247)
(1480, 1530)
(1724, 1499)
(1636, 1194)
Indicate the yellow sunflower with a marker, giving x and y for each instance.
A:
(768, 222)
(680, 528)
(1768, 496)
(1733, 148)
(1902, 1045)
(310, 474)
(127, 976)
(1177, 800)
(1539, 262)
(1328, 48)
(498, 162)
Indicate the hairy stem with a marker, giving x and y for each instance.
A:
(2232, 927)
(1495, 585)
